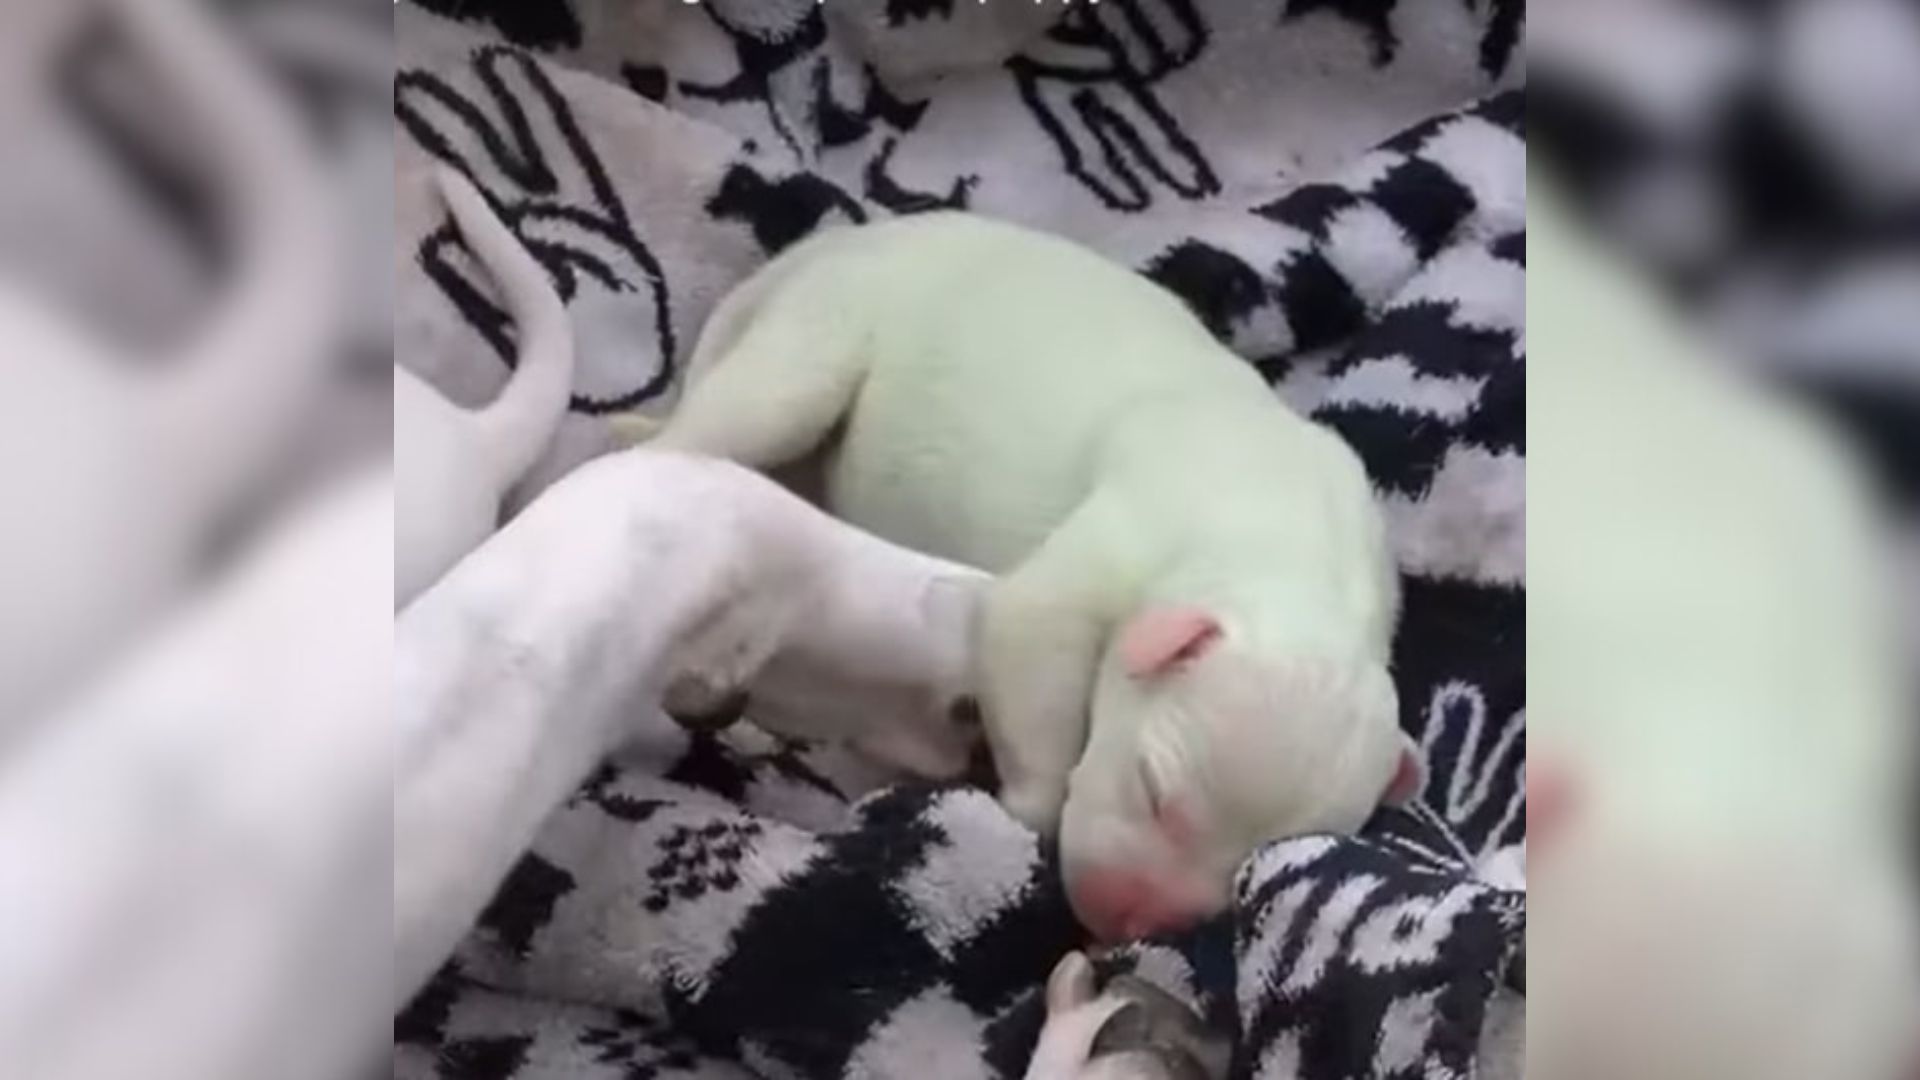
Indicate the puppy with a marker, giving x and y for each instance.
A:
(1195, 601)
(1720, 883)
(123, 463)
(453, 466)
(636, 572)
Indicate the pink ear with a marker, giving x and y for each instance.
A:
(1156, 639)
(1408, 780)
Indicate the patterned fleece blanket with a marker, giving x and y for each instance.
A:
(1336, 188)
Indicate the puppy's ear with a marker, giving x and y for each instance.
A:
(1409, 778)
(1157, 640)
(1071, 984)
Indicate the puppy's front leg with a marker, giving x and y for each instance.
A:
(528, 662)
(1041, 637)
(1038, 651)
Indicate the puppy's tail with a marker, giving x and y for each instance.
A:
(519, 423)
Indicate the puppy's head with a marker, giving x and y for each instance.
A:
(1205, 746)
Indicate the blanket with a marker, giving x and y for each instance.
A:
(1336, 189)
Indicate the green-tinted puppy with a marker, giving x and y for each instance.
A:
(1195, 598)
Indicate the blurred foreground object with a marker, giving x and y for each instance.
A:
(122, 458)
(195, 698)
(198, 862)
(1720, 770)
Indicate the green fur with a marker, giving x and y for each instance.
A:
(1013, 401)
(1009, 374)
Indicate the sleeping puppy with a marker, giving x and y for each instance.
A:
(1195, 599)
(634, 573)
(1720, 878)
(453, 466)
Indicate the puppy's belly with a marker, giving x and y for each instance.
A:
(938, 501)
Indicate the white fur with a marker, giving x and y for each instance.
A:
(454, 466)
(201, 837)
(637, 571)
(120, 465)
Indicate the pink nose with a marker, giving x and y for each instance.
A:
(1121, 905)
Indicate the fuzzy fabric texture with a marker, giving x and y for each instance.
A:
(1337, 189)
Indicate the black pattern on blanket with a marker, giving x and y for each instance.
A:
(1336, 189)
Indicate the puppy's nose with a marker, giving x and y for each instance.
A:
(1116, 906)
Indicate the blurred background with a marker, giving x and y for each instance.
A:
(1760, 163)
(1724, 519)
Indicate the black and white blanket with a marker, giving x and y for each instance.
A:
(1336, 187)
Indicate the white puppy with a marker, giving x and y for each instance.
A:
(120, 463)
(534, 656)
(453, 466)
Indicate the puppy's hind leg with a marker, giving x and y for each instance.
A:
(781, 386)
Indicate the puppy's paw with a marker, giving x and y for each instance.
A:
(1035, 805)
(699, 706)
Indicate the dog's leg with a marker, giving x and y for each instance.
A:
(204, 889)
(702, 711)
(1042, 633)
(776, 394)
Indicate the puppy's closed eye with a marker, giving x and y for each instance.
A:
(1164, 799)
